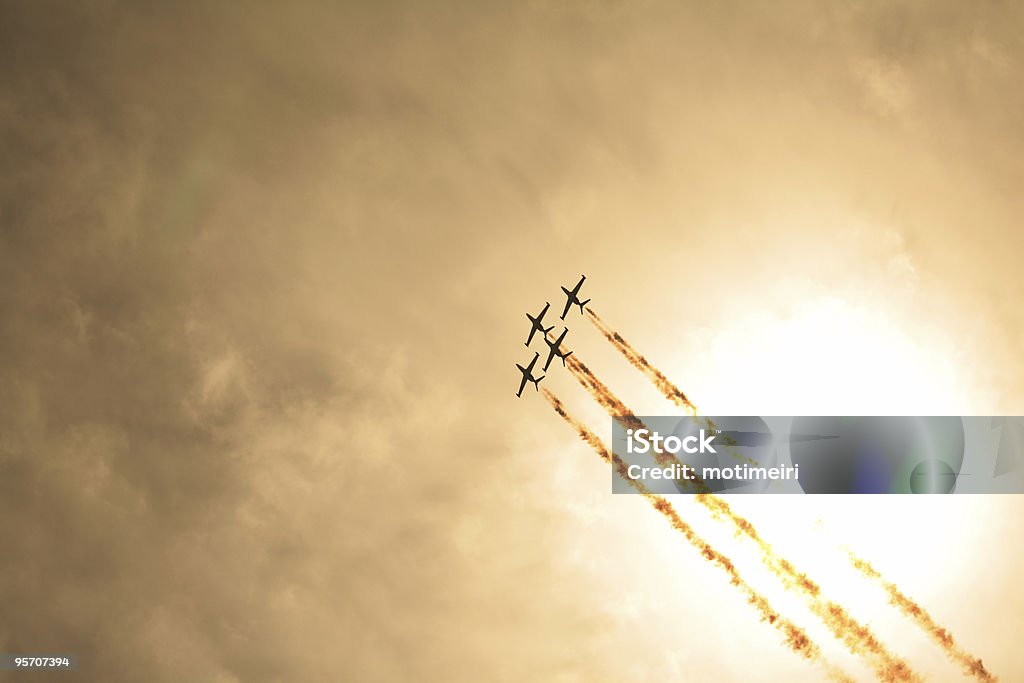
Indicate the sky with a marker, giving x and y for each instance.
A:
(263, 271)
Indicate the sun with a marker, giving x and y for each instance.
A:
(829, 355)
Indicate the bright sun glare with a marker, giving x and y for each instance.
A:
(829, 355)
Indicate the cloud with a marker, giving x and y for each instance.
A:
(261, 283)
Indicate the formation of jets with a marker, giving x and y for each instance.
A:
(554, 346)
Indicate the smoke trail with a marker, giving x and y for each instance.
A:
(619, 412)
(857, 638)
(795, 638)
(972, 666)
(603, 394)
(670, 390)
(663, 384)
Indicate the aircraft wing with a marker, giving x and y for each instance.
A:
(551, 354)
(529, 338)
(522, 385)
(568, 303)
(529, 368)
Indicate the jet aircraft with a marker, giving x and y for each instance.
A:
(555, 349)
(528, 375)
(538, 323)
(572, 298)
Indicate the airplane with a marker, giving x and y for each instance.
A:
(538, 323)
(572, 298)
(555, 348)
(528, 375)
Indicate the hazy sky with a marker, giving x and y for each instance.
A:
(263, 270)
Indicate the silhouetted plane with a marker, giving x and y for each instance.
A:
(555, 350)
(572, 298)
(528, 375)
(538, 323)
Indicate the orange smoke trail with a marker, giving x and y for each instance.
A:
(663, 384)
(857, 638)
(617, 409)
(601, 393)
(795, 638)
(670, 390)
(972, 666)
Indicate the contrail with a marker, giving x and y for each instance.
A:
(618, 410)
(663, 383)
(670, 390)
(857, 638)
(795, 637)
(972, 666)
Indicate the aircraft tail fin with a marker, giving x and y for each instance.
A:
(536, 382)
(548, 330)
(582, 304)
(564, 357)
